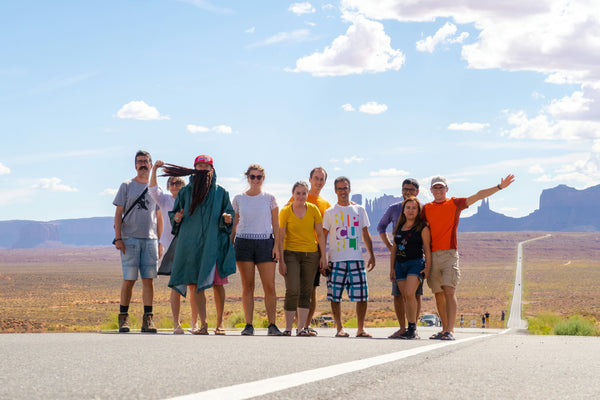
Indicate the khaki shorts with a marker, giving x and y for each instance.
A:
(444, 270)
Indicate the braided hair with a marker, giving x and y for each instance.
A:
(202, 181)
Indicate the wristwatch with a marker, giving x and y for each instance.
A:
(115, 240)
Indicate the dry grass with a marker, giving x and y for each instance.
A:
(78, 289)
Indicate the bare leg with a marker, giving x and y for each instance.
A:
(175, 308)
(267, 277)
(289, 320)
(147, 291)
(193, 306)
(302, 318)
(312, 308)
(337, 315)
(246, 269)
(219, 293)
(200, 299)
(440, 302)
(408, 289)
(126, 291)
(400, 312)
(450, 297)
(419, 302)
(361, 313)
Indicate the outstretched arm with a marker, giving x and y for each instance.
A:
(482, 194)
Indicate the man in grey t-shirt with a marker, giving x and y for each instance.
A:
(138, 226)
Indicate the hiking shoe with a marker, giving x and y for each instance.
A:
(123, 322)
(274, 330)
(148, 323)
(447, 336)
(436, 336)
(248, 330)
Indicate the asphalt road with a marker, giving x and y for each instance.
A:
(481, 363)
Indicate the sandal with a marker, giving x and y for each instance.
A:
(303, 332)
(363, 334)
(178, 331)
(219, 331)
(342, 334)
(286, 333)
(200, 331)
(397, 334)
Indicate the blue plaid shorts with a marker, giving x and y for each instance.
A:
(350, 275)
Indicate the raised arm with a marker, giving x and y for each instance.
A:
(482, 194)
(157, 165)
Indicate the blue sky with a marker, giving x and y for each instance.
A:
(374, 90)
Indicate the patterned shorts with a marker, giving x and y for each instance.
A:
(350, 275)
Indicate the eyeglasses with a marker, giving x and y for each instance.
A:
(409, 190)
(342, 189)
(253, 177)
(142, 161)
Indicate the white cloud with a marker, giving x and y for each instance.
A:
(542, 127)
(352, 159)
(364, 48)
(54, 185)
(224, 129)
(140, 110)
(301, 8)
(389, 172)
(348, 107)
(467, 126)
(4, 170)
(574, 104)
(446, 34)
(373, 107)
(536, 169)
(555, 37)
(250, 30)
(299, 35)
(109, 192)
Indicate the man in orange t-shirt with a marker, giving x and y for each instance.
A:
(443, 215)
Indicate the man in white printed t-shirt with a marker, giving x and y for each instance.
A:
(343, 225)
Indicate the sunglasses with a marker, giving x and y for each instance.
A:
(253, 177)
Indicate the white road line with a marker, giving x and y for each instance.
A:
(516, 306)
(270, 385)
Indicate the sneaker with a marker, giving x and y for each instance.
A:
(436, 336)
(123, 322)
(248, 330)
(274, 330)
(447, 336)
(148, 323)
(409, 335)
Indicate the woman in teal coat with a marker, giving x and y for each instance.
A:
(204, 255)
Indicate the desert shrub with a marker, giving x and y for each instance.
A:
(113, 323)
(263, 323)
(236, 320)
(543, 324)
(351, 323)
(576, 325)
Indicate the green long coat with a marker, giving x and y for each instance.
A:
(203, 239)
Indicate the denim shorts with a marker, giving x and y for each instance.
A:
(142, 255)
(255, 250)
(410, 267)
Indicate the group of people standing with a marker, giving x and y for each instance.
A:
(208, 236)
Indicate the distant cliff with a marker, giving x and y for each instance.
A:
(562, 209)
(60, 233)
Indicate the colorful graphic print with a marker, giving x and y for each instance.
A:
(347, 236)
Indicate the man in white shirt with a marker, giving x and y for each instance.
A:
(343, 225)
